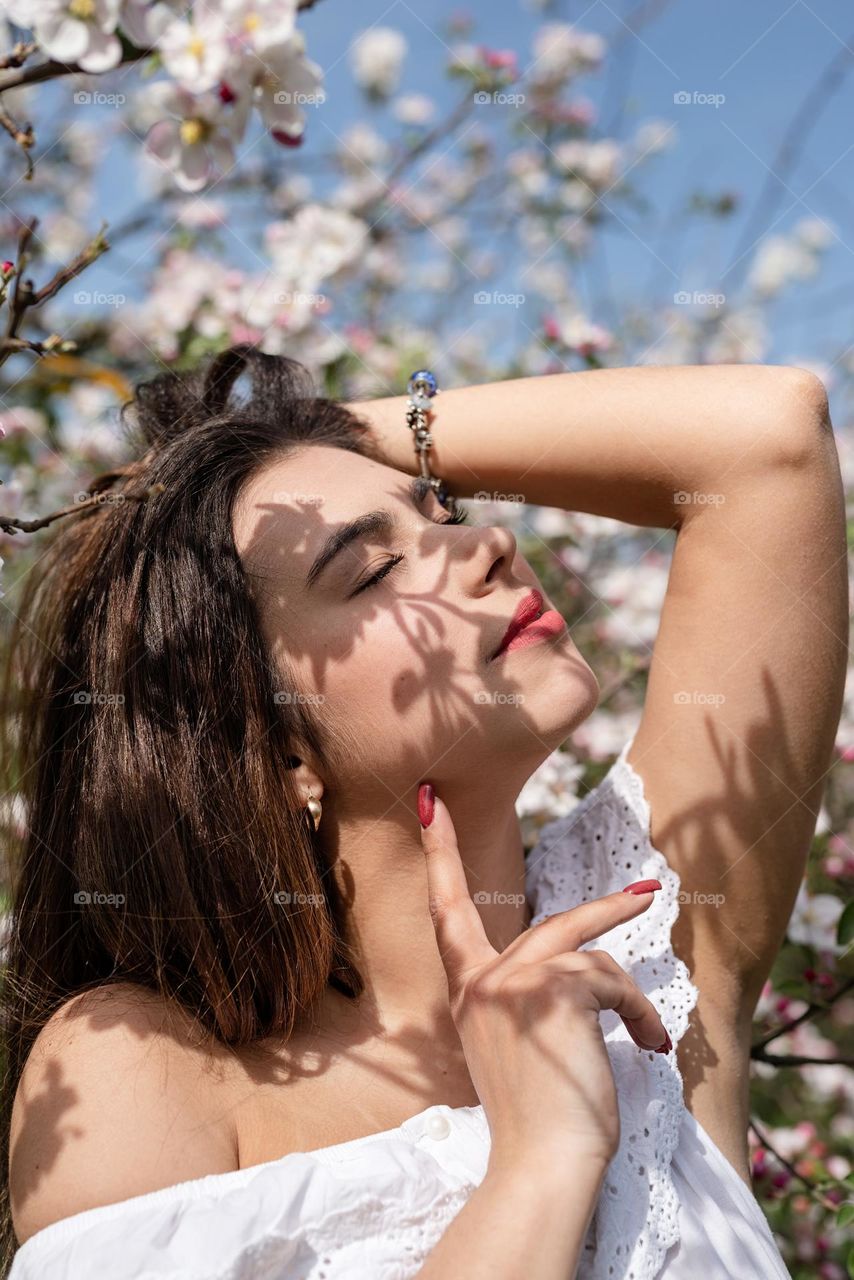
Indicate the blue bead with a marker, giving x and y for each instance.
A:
(424, 376)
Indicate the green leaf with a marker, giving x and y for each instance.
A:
(845, 928)
(845, 1214)
(850, 1263)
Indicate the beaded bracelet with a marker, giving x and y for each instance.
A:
(422, 387)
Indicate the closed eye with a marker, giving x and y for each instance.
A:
(459, 517)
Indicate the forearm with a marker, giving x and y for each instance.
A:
(523, 1220)
(613, 442)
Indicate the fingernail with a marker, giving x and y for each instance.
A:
(426, 796)
(642, 886)
(663, 1048)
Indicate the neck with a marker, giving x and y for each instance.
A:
(381, 866)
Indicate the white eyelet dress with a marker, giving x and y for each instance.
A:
(671, 1204)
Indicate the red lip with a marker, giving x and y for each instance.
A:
(525, 613)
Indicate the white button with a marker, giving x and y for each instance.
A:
(437, 1126)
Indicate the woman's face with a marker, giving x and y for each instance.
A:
(401, 663)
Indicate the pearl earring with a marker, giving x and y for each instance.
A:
(315, 809)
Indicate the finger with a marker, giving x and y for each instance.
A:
(568, 930)
(460, 934)
(642, 1019)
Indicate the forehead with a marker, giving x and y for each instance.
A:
(289, 508)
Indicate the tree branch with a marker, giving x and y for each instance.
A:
(52, 69)
(811, 1186)
(25, 296)
(811, 1009)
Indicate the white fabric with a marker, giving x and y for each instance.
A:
(671, 1204)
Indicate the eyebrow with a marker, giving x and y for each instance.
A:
(371, 524)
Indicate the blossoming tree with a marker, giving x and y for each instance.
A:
(363, 260)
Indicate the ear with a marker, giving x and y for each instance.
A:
(306, 778)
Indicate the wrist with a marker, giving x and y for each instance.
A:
(552, 1164)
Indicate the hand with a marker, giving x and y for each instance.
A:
(528, 1017)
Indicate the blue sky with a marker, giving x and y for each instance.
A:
(766, 59)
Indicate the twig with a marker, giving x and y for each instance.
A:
(23, 137)
(811, 1009)
(52, 69)
(811, 1186)
(797, 1060)
(25, 296)
(22, 50)
(10, 524)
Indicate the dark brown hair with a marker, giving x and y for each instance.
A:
(144, 732)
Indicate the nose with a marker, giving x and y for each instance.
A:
(498, 550)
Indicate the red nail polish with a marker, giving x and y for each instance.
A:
(667, 1046)
(426, 796)
(642, 886)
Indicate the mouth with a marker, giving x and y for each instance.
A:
(530, 610)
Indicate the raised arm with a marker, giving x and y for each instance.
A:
(748, 671)
(624, 443)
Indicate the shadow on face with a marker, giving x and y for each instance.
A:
(388, 635)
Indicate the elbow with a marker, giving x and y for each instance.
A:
(800, 431)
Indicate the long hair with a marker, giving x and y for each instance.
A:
(146, 730)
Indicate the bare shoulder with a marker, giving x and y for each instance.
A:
(115, 1100)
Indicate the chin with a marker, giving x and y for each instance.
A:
(567, 702)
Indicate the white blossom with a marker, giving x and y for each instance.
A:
(362, 147)
(654, 136)
(195, 51)
(604, 733)
(414, 108)
(376, 57)
(195, 136)
(635, 595)
(315, 244)
(561, 51)
(597, 163)
(815, 233)
(257, 25)
(72, 32)
(285, 83)
(550, 793)
(144, 22)
(814, 919)
(782, 259)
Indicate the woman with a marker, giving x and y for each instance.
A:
(240, 1045)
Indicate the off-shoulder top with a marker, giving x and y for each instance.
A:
(671, 1204)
